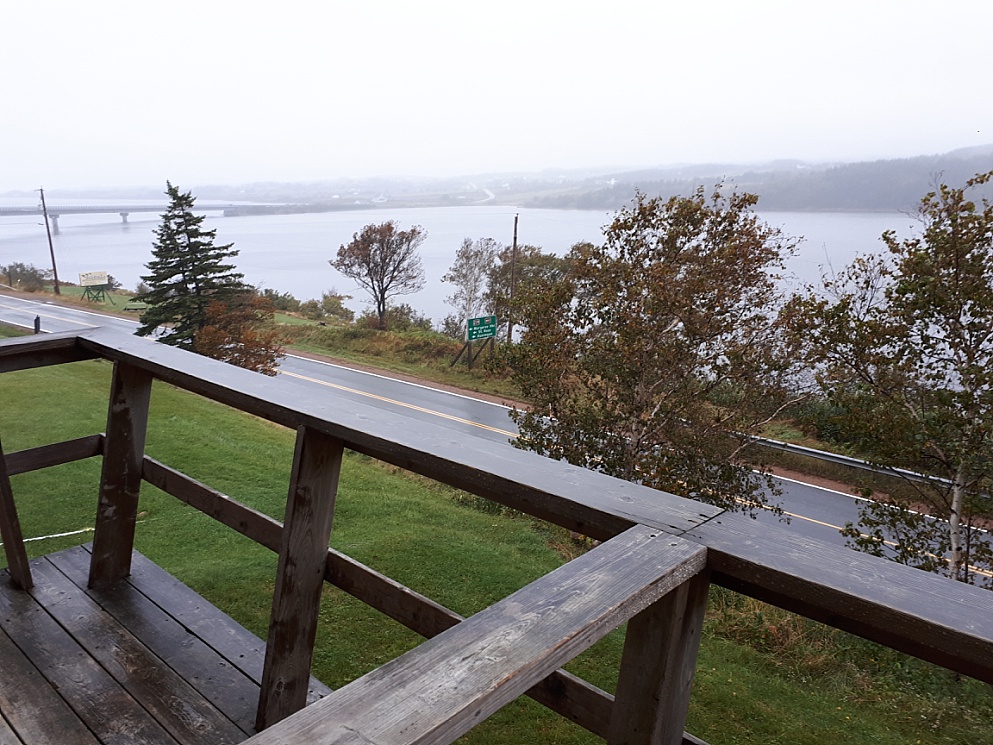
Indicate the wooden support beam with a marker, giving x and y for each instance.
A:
(120, 481)
(56, 454)
(27, 352)
(10, 532)
(300, 576)
(253, 524)
(653, 688)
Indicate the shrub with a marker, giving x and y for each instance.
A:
(25, 277)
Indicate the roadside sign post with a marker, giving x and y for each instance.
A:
(482, 329)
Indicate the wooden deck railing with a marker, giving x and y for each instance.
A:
(659, 554)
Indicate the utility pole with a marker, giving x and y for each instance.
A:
(513, 286)
(51, 248)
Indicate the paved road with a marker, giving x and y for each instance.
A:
(470, 415)
(814, 511)
(17, 311)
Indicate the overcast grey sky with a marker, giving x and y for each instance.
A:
(133, 93)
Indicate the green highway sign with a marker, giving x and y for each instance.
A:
(483, 327)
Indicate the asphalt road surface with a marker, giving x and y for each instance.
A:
(16, 311)
(812, 511)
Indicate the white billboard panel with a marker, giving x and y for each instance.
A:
(93, 279)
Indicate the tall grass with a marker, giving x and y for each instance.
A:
(425, 354)
(763, 676)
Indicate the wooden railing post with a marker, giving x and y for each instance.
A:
(653, 687)
(120, 480)
(10, 532)
(300, 576)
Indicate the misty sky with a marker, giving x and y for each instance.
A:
(133, 93)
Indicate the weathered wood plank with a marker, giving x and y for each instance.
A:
(31, 707)
(85, 686)
(10, 532)
(233, 693)
(240, 647)
(27, 352)
(174, 704)
(120, 480)
(939, 620)
(660, 648)
(7, 735)
(444, 687)
(245, 650)
(300, 576)
(33, 459)
(562, 692)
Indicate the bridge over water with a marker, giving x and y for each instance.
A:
(56, 211)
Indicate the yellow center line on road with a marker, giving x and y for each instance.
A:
(403, 404)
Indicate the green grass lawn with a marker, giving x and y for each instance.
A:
(757, 680)
(285, 319)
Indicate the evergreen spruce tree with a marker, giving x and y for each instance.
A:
(188, 273)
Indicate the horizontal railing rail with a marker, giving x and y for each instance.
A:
(56, 454)
(932, 618)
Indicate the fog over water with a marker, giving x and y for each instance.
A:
(290, 253)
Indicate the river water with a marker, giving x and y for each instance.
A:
(290, 253)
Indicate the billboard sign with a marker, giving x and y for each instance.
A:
(93, 279)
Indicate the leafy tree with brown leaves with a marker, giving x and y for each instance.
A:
(517, 277)
(240, 331)
(384, 261)
(903, 344)
(655, 354)
(331, 307)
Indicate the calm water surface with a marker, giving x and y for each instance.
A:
(290, 253)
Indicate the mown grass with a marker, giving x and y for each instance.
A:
(287, 319)
(763, 676)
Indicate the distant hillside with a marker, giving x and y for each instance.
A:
(882, 185)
